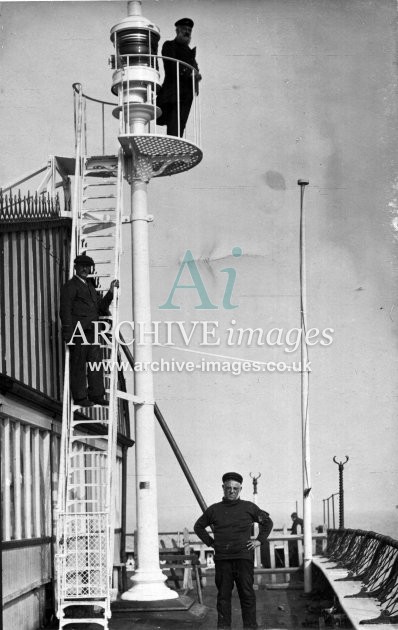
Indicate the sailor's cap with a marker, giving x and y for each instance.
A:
(83, 259)
(232, 475)
(184, 22)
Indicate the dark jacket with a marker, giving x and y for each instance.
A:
(182, 52)
(297, 521)
(232, 526)
(80, 302)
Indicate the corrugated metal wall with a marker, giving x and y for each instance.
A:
(33, 266)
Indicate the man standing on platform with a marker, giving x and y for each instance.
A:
(80, 303)
(231, 521)
(176, 94)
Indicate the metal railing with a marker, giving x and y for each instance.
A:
(96, 132)
(329, 511)
(373, 559)
(20, 207)
(97, 119)
(135, 92)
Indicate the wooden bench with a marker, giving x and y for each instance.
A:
(188, 563)
(359, 610)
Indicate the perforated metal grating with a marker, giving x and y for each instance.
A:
(169, 155)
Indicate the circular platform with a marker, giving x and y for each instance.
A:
(169, 155)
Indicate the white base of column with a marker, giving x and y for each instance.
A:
(149, 587)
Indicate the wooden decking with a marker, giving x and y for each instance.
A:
(279, 607)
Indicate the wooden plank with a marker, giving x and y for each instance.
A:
(33, 586)
(43, 291)
(20, 310)
(27, 311)
(27, 488)
(187, 582)
(11, 311)
(46, 478)
(36, 483)
(16, 470)
(57, 376)
(36, 311)
(6, 477)
(2, 304)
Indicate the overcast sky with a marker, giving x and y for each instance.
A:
(291, 89)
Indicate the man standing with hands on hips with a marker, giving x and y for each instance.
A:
(231, 521)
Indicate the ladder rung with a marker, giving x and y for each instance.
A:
(101, 169)
(99, 173)
(99, 249)
(71, 501)
(100, 184)
(98, 197)
(71, 602)
(75, 407)
(92, 210)
(64, 623)
(97, 222)
(86, 485)
(87, 469)
(89, 437)
(97, 452)
(76, 422)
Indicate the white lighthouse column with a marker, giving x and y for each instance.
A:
(134, 81)
(148, 580)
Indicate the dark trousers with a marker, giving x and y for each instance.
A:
(240, 572)
(80, 373)
(170, 116)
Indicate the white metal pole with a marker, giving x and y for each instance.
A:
(257, 551)
(148, 580)
(305, 429)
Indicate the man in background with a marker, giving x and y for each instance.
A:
(296, 528)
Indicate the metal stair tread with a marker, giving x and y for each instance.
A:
(87, 436)
(99, 197)
(76, 422)
(92, 184)
(91, 513)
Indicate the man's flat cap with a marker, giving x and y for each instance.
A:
(184, 22)
(232, 475)
(83, 259)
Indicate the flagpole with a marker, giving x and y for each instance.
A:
(305, 429)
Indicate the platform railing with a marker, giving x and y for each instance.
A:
(372, 559)
(99, 129)
(329, 512)
(136, 91)
(94, 136)
(277, 541)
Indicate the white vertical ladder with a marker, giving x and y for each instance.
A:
(87, 475)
